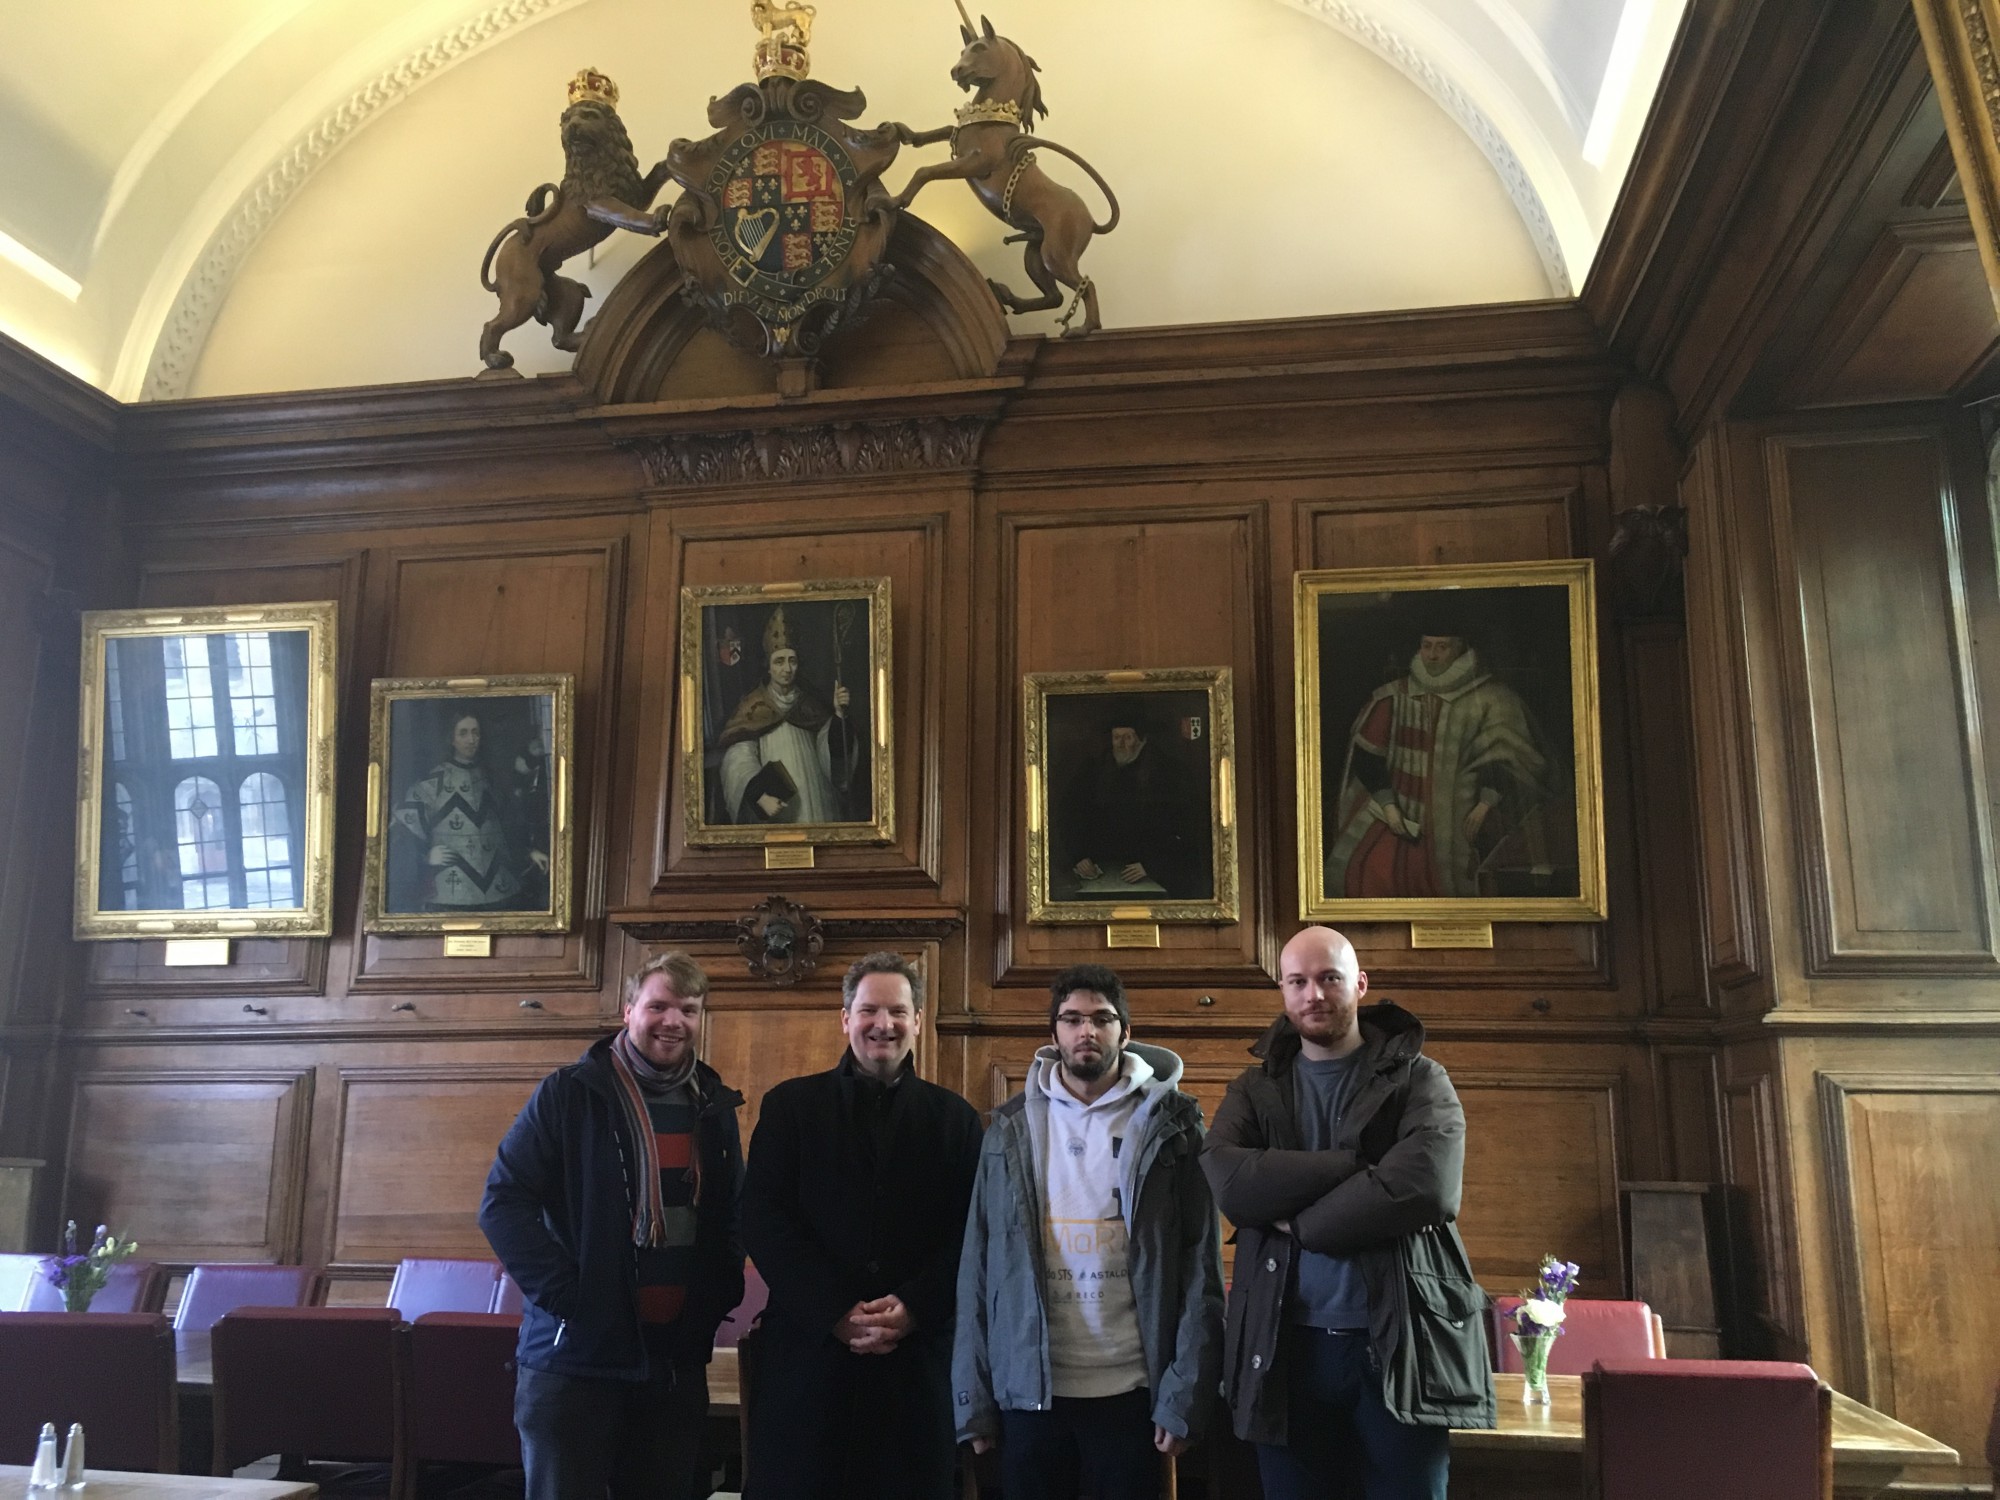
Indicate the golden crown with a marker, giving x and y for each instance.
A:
(593, 86)
(785, 32)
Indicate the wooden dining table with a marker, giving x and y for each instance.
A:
(110, 1484)
(1537, 1451)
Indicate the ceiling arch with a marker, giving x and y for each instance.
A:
(153, 230)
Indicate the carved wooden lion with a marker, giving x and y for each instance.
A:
(601, 190)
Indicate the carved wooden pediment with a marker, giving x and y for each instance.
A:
(833, 451)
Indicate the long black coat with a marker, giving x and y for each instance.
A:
(841, 1207)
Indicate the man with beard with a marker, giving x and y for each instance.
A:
(1133, 823)
(1442, 764)
(1356, 1334)
(1086, 1362)
(613, 1201)
(778, 748)
(854, 1210)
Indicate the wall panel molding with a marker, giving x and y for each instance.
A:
(1895, 834)
(197, 1164)
(1909, 1162)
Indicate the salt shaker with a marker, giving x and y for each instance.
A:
(43, 1475)
(72, 1464)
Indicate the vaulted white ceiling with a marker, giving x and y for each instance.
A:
(229, 195)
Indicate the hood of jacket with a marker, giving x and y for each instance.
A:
(1389, 1035)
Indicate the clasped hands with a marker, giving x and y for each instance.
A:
(876, 1326)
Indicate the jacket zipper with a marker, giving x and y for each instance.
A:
(562, 1327)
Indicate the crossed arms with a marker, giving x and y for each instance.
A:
(1336, 1202)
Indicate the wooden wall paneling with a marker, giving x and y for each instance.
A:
(1909, 1161)
(415, 1144)
(120, 973)
(1687, 1080)
(1543, 1161)
(910, 530)
(1763, 1294)
(25, 574)
(1666, 845)
(1896, 838)
(1086, 587)
(1411, 523)
(1916, 323)
(490, 609)
(1730, 859)
(196, 1164)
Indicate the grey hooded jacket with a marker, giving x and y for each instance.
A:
(1000, 1355)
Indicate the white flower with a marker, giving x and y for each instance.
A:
(1542, 1312)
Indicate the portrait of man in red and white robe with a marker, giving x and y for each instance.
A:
(1449, 785)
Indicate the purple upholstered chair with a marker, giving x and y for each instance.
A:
(114, 1373)
(461, 1389)
(755, 1295)
(131, 1286)
(1592, 1330)
(313, 1382)
(1665, 1429)
(458, 1286)
(212, 1291)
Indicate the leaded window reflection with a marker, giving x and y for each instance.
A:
(127, 849)
(190, 697)
(114, 703)
(204, 844)
(267, 844)
(253, 694)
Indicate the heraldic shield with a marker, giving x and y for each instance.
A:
(781, 229)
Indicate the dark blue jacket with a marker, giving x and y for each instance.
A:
(558, 1213)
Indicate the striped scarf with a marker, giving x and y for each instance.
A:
(636, 1078)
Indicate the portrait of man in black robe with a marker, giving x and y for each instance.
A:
(1130, 815)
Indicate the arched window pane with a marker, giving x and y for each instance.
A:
(253, 694)
(204, 845)
(190, 698)
(267, 841)
(128, 850)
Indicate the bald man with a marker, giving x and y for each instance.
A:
(1356, 1335)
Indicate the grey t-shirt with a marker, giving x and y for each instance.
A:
(1330, 1291)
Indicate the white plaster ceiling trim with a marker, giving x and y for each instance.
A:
(203, 81)
(1532, 191)
(1524, 39)
(165, 339)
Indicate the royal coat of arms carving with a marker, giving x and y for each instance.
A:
(783, 218)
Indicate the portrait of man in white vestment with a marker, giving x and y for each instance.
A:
(793, 733)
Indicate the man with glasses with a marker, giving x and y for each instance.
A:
(1090, 1291)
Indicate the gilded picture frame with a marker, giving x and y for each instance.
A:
(205, 772)
(470, 816)
(1131, 797)
(1449, 763)
(806, 760)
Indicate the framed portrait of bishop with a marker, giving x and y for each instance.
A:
(785, 713)
(1449, 767)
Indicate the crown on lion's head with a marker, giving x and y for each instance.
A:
(593, 86)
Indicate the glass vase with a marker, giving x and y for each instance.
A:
(1534, 1349)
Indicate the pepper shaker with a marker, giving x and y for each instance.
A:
(72, 1464)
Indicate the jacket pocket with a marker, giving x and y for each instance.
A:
(1446, 1318)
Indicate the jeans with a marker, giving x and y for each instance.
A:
(632, 1440)
(1344, 1444)
(1098, 1446)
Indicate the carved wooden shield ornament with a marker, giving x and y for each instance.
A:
(782, 225)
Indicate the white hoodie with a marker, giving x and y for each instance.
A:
(1094, 1345)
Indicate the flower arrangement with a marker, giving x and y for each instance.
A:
(80, 1274)
(1541, 1309)
(1538, 1322)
